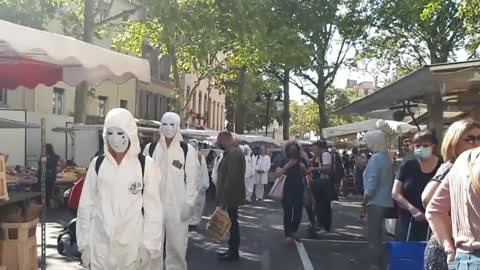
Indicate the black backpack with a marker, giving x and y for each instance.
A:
(184, 147)
(100, 159)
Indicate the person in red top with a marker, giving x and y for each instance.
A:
(75, 193)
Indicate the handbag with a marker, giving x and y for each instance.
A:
(276, 192)
(219, 224)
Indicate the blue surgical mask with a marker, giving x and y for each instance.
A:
(423, 152)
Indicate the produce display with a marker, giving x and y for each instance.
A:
(22, 175)
(71, 173)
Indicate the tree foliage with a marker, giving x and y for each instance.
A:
(31, 13)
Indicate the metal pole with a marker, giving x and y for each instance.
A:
(268, 111)
(43, 165)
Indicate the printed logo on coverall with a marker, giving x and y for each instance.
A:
(135, 188)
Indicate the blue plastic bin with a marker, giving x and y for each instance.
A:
(406, 255)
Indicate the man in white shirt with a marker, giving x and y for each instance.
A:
(262, 166)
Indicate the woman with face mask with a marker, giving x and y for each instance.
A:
(412, 178)
(294, 168)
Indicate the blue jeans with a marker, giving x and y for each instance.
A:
(466, 261)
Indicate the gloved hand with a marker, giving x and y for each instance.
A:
(86, 258)
(186, 213)
(144, 256)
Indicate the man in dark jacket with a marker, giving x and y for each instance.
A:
(231, 189)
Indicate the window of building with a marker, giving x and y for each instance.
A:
(194, 102)
(200, 102)
(102, 106)
(124, 103)
(3, 96)
(58, 100)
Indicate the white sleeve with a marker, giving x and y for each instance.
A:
(88, 201)
(205, 178)
(153, 233)
(191, 165)
(327, 158)
(145, 151)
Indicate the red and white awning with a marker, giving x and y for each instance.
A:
(29, 57)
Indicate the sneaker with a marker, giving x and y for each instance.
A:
(290, 241)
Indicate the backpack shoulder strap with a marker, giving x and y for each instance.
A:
(151, 148)
(184, 146)
(99, 162)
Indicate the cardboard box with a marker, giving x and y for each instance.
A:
(19, 245)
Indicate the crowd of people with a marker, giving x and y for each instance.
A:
(136, 208)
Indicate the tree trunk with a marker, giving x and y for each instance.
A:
(81, 91)
(322, 110)
(286, 104)
(240, 104)
(177, 80)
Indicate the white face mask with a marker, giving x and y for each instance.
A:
(117, 139)
(168, 130)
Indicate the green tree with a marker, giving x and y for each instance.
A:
(339, 98)
(31, 13)
(304, 119)
(330, 29)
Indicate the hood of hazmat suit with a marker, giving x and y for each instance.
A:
(110, 223)
(179, 174)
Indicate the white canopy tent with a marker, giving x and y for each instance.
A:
(79, 61)
(390, 127)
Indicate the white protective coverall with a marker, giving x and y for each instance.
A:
(249, 172)
(203, 183)
(262, 163)
(112, 233)
(217, 162)
(178, 191)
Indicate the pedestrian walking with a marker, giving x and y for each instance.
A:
(322, 184)
(203, 183)
(231, 190)
(262, 167)
(378, 183)
(249, 172)
(461, 136)
(294, 168)
(120, 211)
(178, 162)
(454, 212)
(412, 178)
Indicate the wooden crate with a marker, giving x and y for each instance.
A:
(19, 245)
(3, 179)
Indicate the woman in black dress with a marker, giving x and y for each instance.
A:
(294, 168)
(412, 178)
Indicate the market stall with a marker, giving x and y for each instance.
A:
(29, 57)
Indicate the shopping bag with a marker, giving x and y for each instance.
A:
(407, 255)
(276, 192)
(219, 225)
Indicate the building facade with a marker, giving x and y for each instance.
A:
(364, 88)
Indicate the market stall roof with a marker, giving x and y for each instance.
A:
(94, 127)
(449, 77)
(48, 58)
(6, 123)
(371, 124)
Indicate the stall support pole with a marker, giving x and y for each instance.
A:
(43, 165)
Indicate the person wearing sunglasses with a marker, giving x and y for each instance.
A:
(461, 136)
(412, 178)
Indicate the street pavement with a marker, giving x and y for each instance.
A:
(262, 242)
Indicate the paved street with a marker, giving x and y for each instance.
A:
(262, 244)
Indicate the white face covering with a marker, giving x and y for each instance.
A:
(117, 139)
(169, 126)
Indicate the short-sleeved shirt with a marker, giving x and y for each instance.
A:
(294, 184)
(327, 159)
(414, 181)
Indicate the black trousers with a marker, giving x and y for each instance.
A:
(323, 208)
(292, 216)
(310, 213)
(234, 241)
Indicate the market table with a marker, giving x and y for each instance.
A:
(16, 197)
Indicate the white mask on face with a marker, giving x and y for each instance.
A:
(117, 139)
(170, 122)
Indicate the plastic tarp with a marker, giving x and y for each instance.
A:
(391, 127)
(68, 60)
(6, 123)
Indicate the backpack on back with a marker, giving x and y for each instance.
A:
(183, 145)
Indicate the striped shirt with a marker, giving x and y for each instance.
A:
(458, 195)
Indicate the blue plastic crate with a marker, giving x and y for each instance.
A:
(406, 255)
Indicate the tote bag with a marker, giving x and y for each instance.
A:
(276, 193)
(219, 224)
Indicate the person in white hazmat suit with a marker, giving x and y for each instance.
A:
(249, 172)
(216, 164)
(203, 183)
(112, 231)
(178, 163)
(262, 166)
